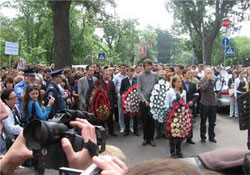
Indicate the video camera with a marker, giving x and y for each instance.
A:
(244, 122)
(44, 138)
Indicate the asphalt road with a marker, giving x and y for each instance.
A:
(227, 134)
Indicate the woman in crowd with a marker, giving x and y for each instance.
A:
(32, 104)
(233, 101)
(248, 79)
(240, 85)
(11, 125)
(65, 93)
(176, 90)
(9, 84)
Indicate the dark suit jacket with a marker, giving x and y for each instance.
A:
(125, 84)
(112, 93)
(192, 94)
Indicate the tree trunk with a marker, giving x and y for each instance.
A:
(62, 54)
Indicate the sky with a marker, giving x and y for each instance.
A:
(153, 12)
(148, 12)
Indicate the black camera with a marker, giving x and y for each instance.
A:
(44, 138)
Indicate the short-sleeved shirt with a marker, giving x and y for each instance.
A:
(19, 90)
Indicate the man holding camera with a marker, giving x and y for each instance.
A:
(208, 106)
(18, 153)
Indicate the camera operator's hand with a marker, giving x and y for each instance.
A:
(15, 156)
(110, 165)
(81, 159)
(51, 101)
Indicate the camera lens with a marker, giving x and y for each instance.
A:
(32, 134)
(36, 133)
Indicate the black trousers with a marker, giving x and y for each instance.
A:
(110, 123)
(159, 128)
(208, 111)
(127, 123)
(148, 123)
(175, 146)
(116, 114)
(194, 115)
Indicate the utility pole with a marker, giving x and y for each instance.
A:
(203, 42)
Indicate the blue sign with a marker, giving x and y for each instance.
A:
(230, 51)
(225, 42)
(101, 56)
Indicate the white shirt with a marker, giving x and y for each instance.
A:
(118, 80)
(171, 96)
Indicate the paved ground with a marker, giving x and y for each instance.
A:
(227, 134)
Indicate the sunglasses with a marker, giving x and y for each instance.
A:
(33, 86)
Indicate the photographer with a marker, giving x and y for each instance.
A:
(18, 152)
(208, 106)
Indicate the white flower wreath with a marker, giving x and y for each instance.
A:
(157, 100)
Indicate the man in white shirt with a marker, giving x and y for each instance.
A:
(117, 81)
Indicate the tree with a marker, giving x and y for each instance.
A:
(165, 46)
(120, 36)
(191, 15)
(62, 54)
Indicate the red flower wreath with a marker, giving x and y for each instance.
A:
(178, 120)
(130, 101)
(98, 101)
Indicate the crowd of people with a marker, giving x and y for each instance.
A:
(39, 92)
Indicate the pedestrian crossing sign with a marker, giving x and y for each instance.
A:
(101, 56)
(230, 51)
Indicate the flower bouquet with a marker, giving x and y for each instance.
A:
(98, 101)
(178, 120)
(130, 101)
(157, 100)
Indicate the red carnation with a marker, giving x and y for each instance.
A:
(175, 106)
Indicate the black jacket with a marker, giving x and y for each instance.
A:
(125, 84)
(192, 94)
(112, 93)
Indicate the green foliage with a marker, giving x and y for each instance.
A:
(191, 15)
(119, 39)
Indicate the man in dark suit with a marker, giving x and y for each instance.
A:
(112, 98)
(191, 96)
(125, 85)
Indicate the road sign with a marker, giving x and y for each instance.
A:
(230, 51)
(11, 48)
(226, 32)
(142, 51)
(225, 42)
(226, 22)
(150, 42)
(101, 56)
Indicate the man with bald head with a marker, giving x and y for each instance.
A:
(208, 105)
